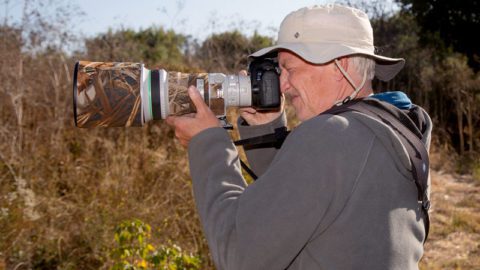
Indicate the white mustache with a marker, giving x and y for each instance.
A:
(290, 96)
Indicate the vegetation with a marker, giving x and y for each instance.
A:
(134, 252)
(81, 199)
(151, 46)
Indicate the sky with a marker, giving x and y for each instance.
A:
(192, 17)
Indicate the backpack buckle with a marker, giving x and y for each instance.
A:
(426, 204)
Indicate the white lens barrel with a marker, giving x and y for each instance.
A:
(237, 90)
(164, 102)
(245, 91)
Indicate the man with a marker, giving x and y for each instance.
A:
(339, 193)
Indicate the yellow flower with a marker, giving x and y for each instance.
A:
(142, 264)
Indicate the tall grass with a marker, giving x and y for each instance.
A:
(63, 189)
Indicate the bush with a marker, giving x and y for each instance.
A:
(134, 252)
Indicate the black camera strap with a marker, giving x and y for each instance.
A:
(400, 121)
(268, 140)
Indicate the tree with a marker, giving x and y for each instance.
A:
(455, 99)
(453, 21)
(153, 46)
(228, 51)
(434, 76)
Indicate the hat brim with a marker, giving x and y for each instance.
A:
(320, 53)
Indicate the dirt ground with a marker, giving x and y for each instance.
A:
(454, 241)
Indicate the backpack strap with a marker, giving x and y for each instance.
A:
(409, 132)
(410, 136)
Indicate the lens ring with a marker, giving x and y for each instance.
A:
(164, 99)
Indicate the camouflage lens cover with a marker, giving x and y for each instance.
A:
(107, 94)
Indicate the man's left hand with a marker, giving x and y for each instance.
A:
(187, 126)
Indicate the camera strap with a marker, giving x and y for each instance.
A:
(275, 139)
(268, 140)
(405, 123)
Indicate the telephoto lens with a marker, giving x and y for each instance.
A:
(123, 94)
(107, 94)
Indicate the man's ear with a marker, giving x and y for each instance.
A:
(343, 62)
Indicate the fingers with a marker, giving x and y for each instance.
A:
(170, 120)
(178, 124)
(191, 115)
(181, 138)
(248, 110)
(197, 99)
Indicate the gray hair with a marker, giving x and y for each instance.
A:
(363, 63)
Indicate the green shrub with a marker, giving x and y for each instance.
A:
(134, 252)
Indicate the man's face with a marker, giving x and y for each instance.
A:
(309, 87)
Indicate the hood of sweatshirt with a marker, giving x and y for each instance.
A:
(418, 115)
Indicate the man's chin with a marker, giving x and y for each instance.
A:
(300, 115)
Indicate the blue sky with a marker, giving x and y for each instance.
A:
(192, 17)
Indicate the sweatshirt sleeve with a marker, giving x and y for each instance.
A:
(265, 225)
(260, 158)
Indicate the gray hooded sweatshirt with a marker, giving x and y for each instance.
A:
(338, 194)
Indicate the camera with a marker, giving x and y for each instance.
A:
(115, 94)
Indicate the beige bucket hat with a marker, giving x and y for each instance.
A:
(322, 33)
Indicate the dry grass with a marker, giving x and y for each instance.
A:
(455, 231)
(63, 189)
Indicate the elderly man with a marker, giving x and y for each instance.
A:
(339, 193)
